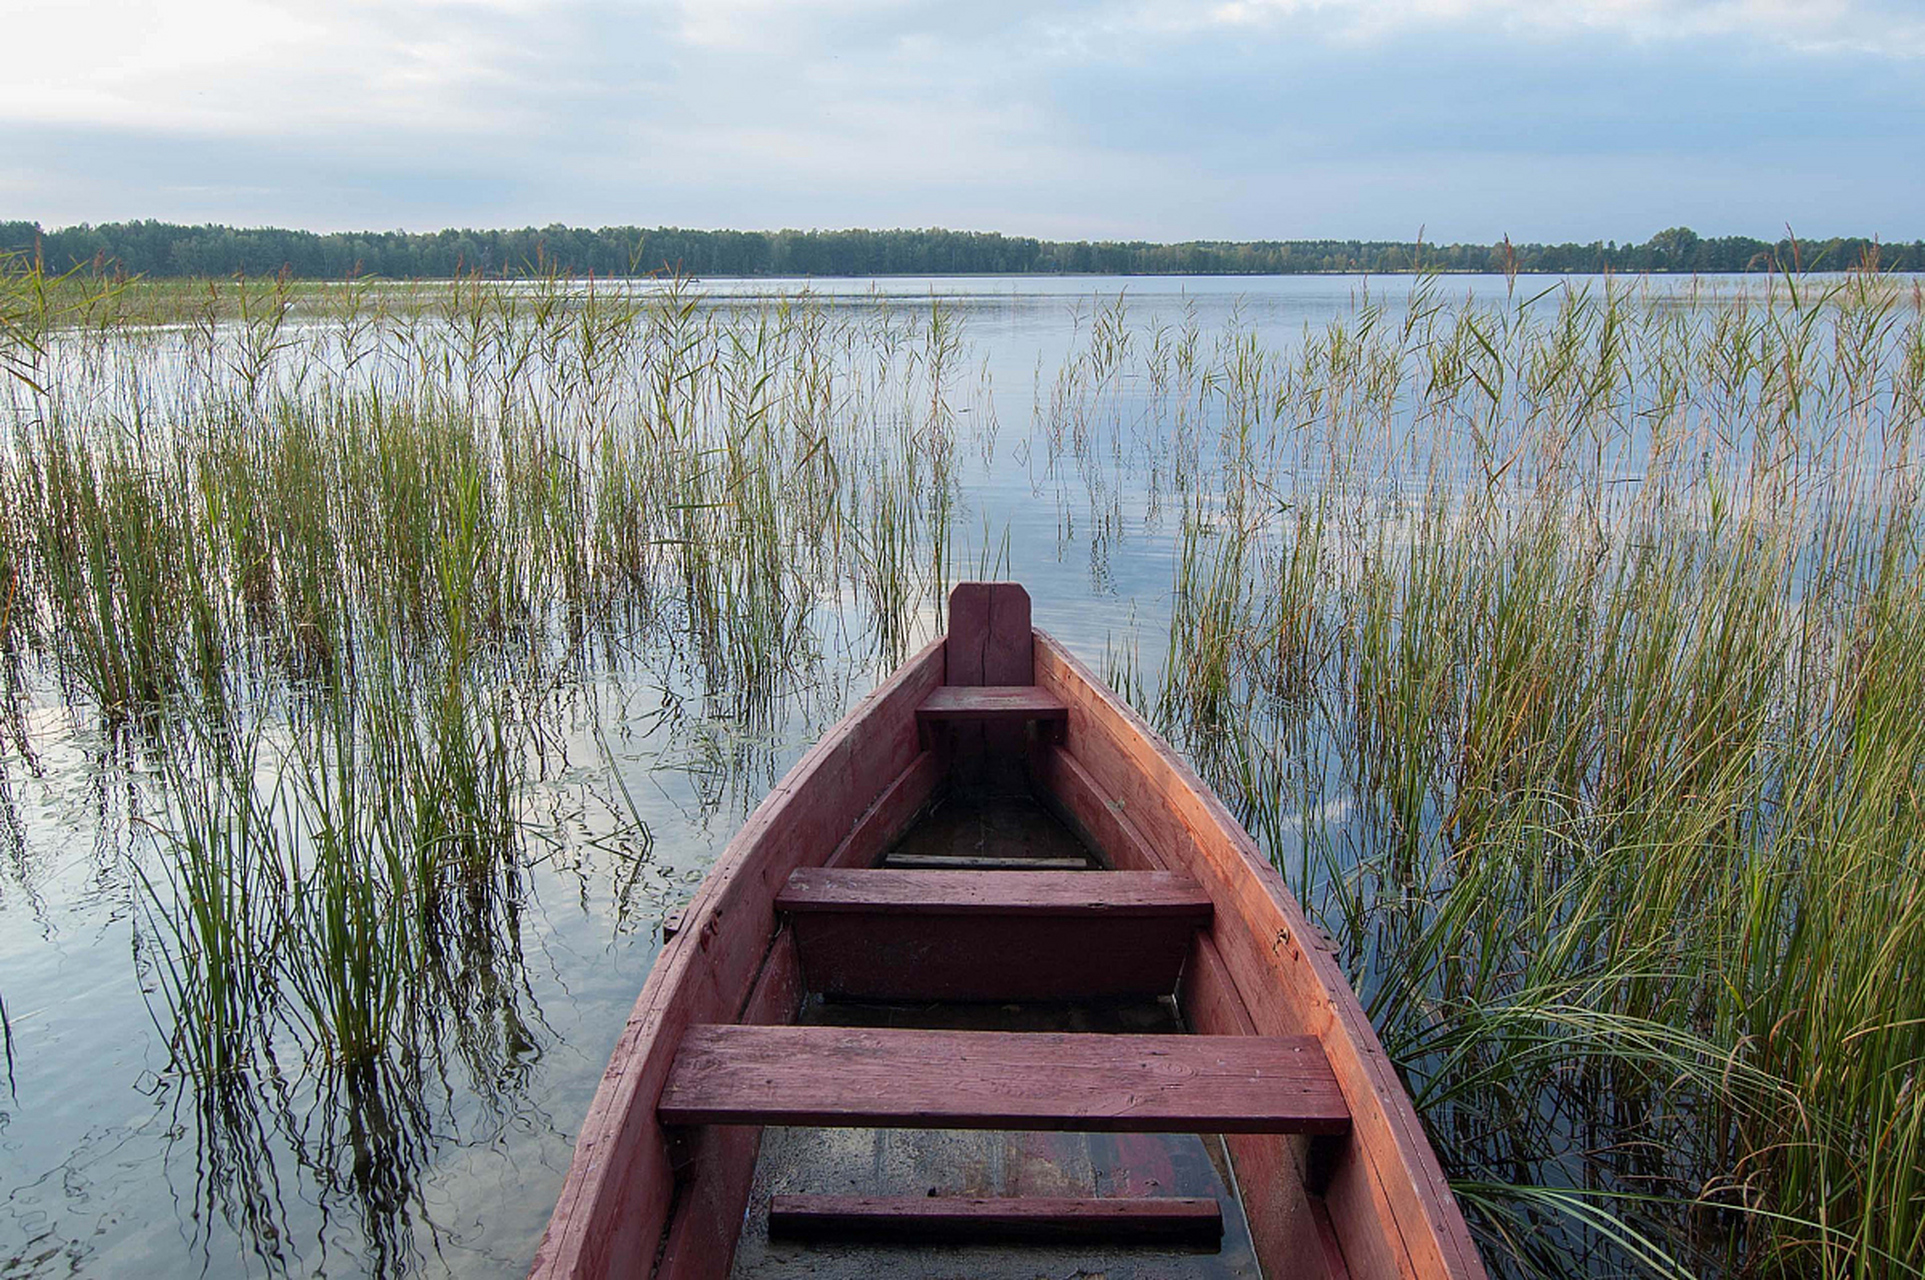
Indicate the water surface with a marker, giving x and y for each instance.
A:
(109, 1164)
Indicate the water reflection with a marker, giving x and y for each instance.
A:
(488, 617)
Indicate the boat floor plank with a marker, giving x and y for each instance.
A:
(731, 1074)
(1116, 1220)
(982, 862)
(1003, 833)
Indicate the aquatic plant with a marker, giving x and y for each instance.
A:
(1562, 651)
(1565, 653)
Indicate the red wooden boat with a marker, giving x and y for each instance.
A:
(992, 984)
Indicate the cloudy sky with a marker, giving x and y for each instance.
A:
(1541, 119)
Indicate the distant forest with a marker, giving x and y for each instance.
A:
(161, 249)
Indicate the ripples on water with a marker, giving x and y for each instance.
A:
(1085, 427)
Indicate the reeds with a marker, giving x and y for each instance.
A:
(1564, 653)
(329, 556)
(402, 528)
(1567, 656)
(500, 469)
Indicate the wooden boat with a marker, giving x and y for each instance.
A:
(992, 982)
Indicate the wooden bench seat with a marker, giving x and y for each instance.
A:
(885, 934)
(1054, 894)
(993, 704)
(874, 1078)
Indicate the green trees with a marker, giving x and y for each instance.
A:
(152, 248)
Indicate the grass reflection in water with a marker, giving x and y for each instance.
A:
(1562, 650)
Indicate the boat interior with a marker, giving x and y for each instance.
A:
(991, 985)
(952, 1202)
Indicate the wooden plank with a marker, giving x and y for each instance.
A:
(989, 643)
(615, 1201)
(1287, 979)
(982, 956)
(1142, 1220)
(991, 704)
(981, 862)
(1067, 788)
(1327, 1258)
(1152, 894)
(1285, 1220)
(893, 813)
(989, 640)
(1361, 1212)
(876, 1078)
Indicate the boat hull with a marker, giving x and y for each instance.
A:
(644, 1200)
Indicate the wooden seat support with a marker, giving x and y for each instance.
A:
(870, 1078)
(887, 934)
(990, 646)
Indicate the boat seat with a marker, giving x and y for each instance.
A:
(1012, 704)
(736, 1074)
(887, 934)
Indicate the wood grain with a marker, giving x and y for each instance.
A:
(1026, 863)
(1283, 1217)
(894, 812)
(981, 957)
(995, 893)
(727, 1074)
(992, 935)
(989, 643)
(1005, 704)
(1148, 1220)
(1067, 787)
(721, 1165)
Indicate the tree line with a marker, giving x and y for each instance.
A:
(164, 249)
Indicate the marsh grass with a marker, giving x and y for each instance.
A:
(1567, 656)
(1564, 653)
(325, 559)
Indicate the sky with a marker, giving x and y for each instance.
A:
(1467, 120)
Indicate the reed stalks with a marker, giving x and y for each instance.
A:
(1565, 654)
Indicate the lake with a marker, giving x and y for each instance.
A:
(1071, 473)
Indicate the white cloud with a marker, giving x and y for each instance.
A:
(258, 67)
(1806, 25)
(1061, 117)
(280, 67)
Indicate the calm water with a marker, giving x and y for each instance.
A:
(107, 1168)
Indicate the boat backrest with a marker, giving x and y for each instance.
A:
(990, 642)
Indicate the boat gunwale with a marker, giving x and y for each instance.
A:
(1386, 1131)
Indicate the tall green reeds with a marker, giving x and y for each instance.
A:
(1563, 650)
(1566, 654)
(330, 555)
